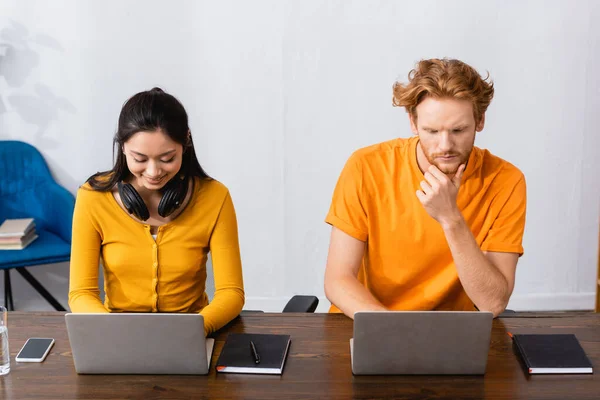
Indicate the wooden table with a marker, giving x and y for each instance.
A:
(318, 366)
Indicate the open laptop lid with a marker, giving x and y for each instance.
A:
(421, 342)
(139, 343)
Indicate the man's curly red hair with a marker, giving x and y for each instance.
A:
(443, 78)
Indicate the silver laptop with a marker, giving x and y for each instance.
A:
(139, 343)
(420, 342)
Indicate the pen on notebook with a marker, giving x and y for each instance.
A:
(254, 353)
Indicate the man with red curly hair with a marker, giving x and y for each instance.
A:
(431, 222)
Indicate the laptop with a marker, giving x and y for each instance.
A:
(420, 342)
(139, 343)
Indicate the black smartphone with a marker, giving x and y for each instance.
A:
(35, 350)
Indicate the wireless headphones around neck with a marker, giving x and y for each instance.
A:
(174, 193)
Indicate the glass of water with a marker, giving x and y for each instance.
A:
(4, 353)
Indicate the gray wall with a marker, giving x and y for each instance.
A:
(281, 92)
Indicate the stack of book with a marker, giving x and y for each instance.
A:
(16, 234)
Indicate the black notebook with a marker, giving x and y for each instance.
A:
(253, 353)
(552, 354)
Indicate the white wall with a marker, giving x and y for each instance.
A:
(280, 93)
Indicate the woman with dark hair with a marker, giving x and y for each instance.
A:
(153, 219)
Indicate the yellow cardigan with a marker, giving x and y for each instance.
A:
(168, 274)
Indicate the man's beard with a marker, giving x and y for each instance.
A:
(448, 168)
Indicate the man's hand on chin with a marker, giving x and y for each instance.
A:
(438, 194)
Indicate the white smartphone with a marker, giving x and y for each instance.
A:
(35, 350)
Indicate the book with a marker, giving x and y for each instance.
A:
(17, 239)
(16, 227)
(552, 354)
(21, 245)
(268, 356)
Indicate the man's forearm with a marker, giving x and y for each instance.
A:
(350, 296)
(483, 282)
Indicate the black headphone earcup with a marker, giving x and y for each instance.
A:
(132, 201)
(173, 196)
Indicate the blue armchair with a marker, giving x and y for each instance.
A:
(27, 190)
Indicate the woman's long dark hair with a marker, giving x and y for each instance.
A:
(150, 111)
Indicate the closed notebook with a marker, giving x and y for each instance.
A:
(238, 356)
(16, 227)
(552, 354)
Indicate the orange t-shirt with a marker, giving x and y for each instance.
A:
(407, 263)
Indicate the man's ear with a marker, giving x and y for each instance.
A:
(413, 123)
(481, 123)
